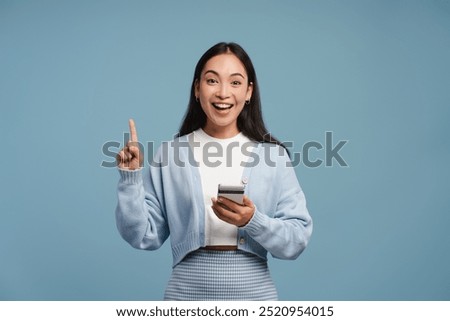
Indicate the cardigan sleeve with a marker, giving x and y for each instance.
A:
(286, 233)
(140, 215)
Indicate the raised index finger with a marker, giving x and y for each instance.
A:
(133, 133)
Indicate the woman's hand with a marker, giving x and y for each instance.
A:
(131, 157)
(233, 213)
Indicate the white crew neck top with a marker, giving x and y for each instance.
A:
(220, 162)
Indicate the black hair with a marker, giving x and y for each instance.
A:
(250, 121)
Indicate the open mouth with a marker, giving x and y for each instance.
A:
(222, 106)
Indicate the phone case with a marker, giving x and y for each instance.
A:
(232, 192)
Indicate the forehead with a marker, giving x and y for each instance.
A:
(225, 64)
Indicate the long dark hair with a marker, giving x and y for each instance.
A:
(250, 121)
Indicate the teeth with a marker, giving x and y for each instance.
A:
(223, 106)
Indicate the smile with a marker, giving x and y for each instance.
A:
(222, 106)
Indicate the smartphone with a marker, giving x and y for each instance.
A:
(232, 192)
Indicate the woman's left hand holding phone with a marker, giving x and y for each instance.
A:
(233, 213)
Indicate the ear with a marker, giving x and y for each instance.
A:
(196, 88)
(249, 91)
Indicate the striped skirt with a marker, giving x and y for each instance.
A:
(206, 275)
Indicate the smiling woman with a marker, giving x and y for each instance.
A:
(222, 91)
(219, 246)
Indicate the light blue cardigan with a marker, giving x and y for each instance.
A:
(167, 199)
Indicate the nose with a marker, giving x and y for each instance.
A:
(223, 91)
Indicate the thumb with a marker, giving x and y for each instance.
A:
(247, 201)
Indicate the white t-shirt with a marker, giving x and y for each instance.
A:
(220, 162)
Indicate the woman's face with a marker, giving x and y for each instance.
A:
(222, 91)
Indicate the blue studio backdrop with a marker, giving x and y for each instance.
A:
(375, 74)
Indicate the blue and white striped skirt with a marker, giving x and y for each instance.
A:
(206, 275)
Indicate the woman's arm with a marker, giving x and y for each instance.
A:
(140, 218)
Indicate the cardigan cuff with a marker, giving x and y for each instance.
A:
(131, 176)
(257, 222)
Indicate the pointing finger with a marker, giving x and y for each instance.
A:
(133, 133)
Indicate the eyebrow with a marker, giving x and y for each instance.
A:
(217, 74)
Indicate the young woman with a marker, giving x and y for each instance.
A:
(219, 246)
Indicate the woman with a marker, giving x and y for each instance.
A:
(219, 246)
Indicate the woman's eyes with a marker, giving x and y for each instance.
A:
(215, 81)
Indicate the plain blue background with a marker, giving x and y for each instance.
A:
(375, 73)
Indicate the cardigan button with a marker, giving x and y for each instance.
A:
(245, 180)
(241, 240)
